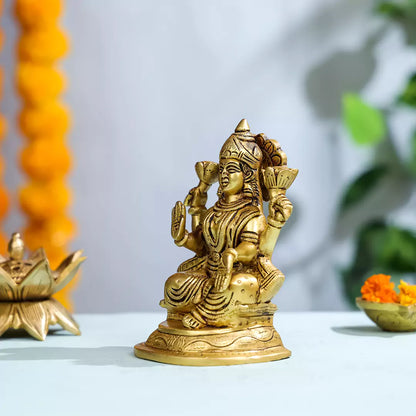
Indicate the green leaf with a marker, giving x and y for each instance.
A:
(408, 96)
(402, 13)
(365, 124)
(398, 252)
(412, 163)
(361, 186)
(390, 9)
(381, 248)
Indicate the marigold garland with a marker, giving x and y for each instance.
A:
(47, 121)
(4, 197)
(44, 121)
(39, 84)
(378, 288)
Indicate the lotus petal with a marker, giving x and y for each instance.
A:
(6, 316)
(38, 283)
(67, 270)
(38, 255)
(34, 318)
(8, 287)
(62, 317)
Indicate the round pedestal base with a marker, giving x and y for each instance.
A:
(171, 343)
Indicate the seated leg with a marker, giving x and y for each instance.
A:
(184, 290)
(271, 279)
(244, 287)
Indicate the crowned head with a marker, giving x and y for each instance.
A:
(241, 146)
(240, 160)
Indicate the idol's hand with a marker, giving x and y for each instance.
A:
(280, 208)
(196, 197)
(178, 221)
(222, 279)
(225, 270)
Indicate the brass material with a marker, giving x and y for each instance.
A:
(242, 126)
(279, 177)
(390, 316)
(219, 309)
(26, 287)
(172, 344)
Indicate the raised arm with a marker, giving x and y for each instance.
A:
(277, 179)
(197, 197)
(182, 238)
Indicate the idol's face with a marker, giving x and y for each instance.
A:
(230, 176)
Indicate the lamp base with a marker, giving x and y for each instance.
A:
(35, 317)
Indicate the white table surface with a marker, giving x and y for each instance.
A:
(341, 364)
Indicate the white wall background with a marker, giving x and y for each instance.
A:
(156, 86)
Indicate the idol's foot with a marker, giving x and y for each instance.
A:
(191, 322)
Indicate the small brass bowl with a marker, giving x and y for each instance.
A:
(390, 316)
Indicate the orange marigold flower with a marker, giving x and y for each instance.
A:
(1, 168)
(50, 234)
(37, 13)
(4, 240)
(4, 202)
(378, 288)
(407, 295)
(1, 39)
(45, 159)
(41, 200)
(49, 120)
(3, 127)
(56, 255)
(43, 46)
(38, 84)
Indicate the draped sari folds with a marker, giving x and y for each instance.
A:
(191, 289)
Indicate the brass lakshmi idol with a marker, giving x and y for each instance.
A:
(219, 309)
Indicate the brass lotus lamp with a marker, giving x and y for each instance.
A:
(26, 289)
(219, 309)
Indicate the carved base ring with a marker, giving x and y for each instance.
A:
(171, 343)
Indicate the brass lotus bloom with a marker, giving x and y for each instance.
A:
(207, 172)
(26, 287)
(279, 177)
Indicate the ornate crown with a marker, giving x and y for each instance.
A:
(241, 145)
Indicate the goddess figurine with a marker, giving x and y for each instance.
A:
(219, 308)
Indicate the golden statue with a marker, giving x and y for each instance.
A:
(219, 308)
(26, 289)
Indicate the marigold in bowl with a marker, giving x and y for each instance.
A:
(407, 295)
(378, 288)
(387, 309)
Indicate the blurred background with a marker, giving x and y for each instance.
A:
(154, 87)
